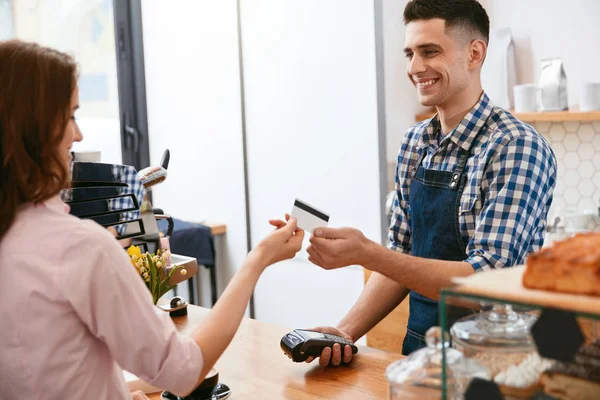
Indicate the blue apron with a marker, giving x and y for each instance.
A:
(434, 208)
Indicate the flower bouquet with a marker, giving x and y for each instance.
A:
(154, 271)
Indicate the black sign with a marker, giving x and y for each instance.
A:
(557, 335)
(483, 389)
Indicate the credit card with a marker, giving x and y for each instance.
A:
(308, 217)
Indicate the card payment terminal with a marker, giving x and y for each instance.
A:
(300, 344)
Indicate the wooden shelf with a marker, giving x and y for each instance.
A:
(507, 284)
(424, 115)
(549, 116)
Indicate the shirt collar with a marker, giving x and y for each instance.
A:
(56, 204)
(430, 134)
(466, 131)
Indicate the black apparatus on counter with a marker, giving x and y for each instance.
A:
(118, 196)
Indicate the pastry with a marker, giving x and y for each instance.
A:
(570, 266)
(577, 380)
(523, 380)
(521, 393)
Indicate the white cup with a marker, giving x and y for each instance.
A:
(589, 96)
(584, 221)
(88, 156)
(525, 97)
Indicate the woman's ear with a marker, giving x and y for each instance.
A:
(477, 53)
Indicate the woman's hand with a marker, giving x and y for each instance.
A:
(281, 244)
(277, 223)
(139, 395)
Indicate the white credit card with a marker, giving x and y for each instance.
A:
(308, 217)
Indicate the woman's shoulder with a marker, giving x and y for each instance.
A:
(41, 225)
(89, 233)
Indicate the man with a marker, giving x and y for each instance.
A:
(474, 184)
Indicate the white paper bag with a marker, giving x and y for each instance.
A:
(553, 86)
(499, 71)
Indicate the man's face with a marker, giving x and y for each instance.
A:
(437, 61)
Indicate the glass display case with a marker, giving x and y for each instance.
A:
(419, 376)
(535, 344)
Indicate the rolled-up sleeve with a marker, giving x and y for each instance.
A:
(399, 234)
(399, 238)
(112, 301)
(518, 185)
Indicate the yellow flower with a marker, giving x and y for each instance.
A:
(134, 251)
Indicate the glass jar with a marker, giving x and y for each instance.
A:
(419, 376)
(497, 338)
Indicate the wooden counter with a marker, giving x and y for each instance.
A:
(389, 333)
(539, 116)
(216, 228)
(254, 367)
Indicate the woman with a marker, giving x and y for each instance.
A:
(73, 310)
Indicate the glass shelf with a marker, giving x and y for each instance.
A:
(498, 335)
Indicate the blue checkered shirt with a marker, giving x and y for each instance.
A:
(128, 175)
(511, 175)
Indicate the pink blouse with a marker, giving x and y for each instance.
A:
(73, 312)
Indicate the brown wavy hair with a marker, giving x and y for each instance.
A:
(36, 85)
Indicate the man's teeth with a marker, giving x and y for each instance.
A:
(427, 83)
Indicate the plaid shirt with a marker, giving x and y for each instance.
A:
(511, 175)
(128, 175)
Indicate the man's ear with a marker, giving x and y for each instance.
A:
(477, 53)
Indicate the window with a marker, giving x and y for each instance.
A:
(112, 116)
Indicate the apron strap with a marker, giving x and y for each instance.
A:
(464, 155)
(419, 161)
(459, 169)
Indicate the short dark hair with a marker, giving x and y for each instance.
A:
(465, 14)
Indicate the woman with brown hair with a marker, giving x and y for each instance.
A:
(73, 310)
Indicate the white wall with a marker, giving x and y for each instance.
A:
(401, 103)
(312, 131)
(312, 128)
(552, 28)
(194, 109)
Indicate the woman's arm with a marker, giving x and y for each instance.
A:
(112, 301)
(218, 328)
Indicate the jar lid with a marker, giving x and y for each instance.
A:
(500, 329)
(423, 368)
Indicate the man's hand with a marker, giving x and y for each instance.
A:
(335, 356)
(139, 395)
(333, 248)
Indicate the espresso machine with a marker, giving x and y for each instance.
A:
(118, 197)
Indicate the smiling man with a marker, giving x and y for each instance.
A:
(474, 184)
